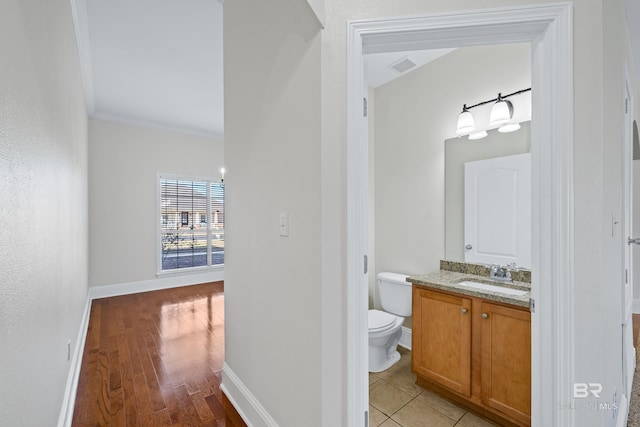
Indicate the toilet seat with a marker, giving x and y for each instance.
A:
(380, 321)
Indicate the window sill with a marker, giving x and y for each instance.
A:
(189, 271)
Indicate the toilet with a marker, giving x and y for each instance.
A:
(385, 327)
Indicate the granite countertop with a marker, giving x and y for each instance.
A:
(449, 281)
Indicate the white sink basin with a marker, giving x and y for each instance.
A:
(492, 288)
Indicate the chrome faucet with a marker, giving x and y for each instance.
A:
(502, 273)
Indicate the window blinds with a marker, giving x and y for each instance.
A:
(192, 223)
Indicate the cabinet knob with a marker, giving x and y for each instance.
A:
(464, 311)
(485, 316)
(468, 247)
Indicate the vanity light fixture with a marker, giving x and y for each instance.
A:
(501, 115)
(478, 135)
(509, 127)
(465, 121)
(501, 112)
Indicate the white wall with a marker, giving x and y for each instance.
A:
(43, 182)
(272, 154)
(414, 116)
(124, 163)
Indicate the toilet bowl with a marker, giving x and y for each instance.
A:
(385, 327)
(385, 331)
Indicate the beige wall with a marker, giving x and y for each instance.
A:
(272, 152)
(43, 182)
(124, 163)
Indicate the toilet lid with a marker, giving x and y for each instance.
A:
(380, 320)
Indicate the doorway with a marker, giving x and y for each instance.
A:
(549, 30)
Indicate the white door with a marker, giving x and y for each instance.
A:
(497, 210)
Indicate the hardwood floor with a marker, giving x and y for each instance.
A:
(155, 359)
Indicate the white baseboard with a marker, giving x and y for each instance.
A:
(69, 398)
(636, 306)
(71, 389)
(246, 404)
(165, 282)
(405, 339)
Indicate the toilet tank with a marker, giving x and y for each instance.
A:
(395, 293)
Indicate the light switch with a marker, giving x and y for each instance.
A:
(284, 223)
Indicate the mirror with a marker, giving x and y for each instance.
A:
(458, 151)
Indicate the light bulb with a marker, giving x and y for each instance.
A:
(465, 122)
(509, 127)
(478, 135)
(501, 112)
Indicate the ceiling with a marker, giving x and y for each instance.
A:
(158, 63)
(379, 67)
(155, 63)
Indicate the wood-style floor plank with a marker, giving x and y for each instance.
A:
(155, 359)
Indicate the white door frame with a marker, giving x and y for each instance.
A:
(628, 349)
(549, 29)
(627, 182)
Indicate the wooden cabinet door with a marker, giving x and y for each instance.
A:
(441, 350)
(506, 360)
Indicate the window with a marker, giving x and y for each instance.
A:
(191, 223)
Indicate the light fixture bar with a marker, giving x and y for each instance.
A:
(500, 96)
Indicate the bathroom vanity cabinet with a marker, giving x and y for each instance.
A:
(441, 339)
(474, 351)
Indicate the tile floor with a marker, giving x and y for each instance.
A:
(396, 401)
